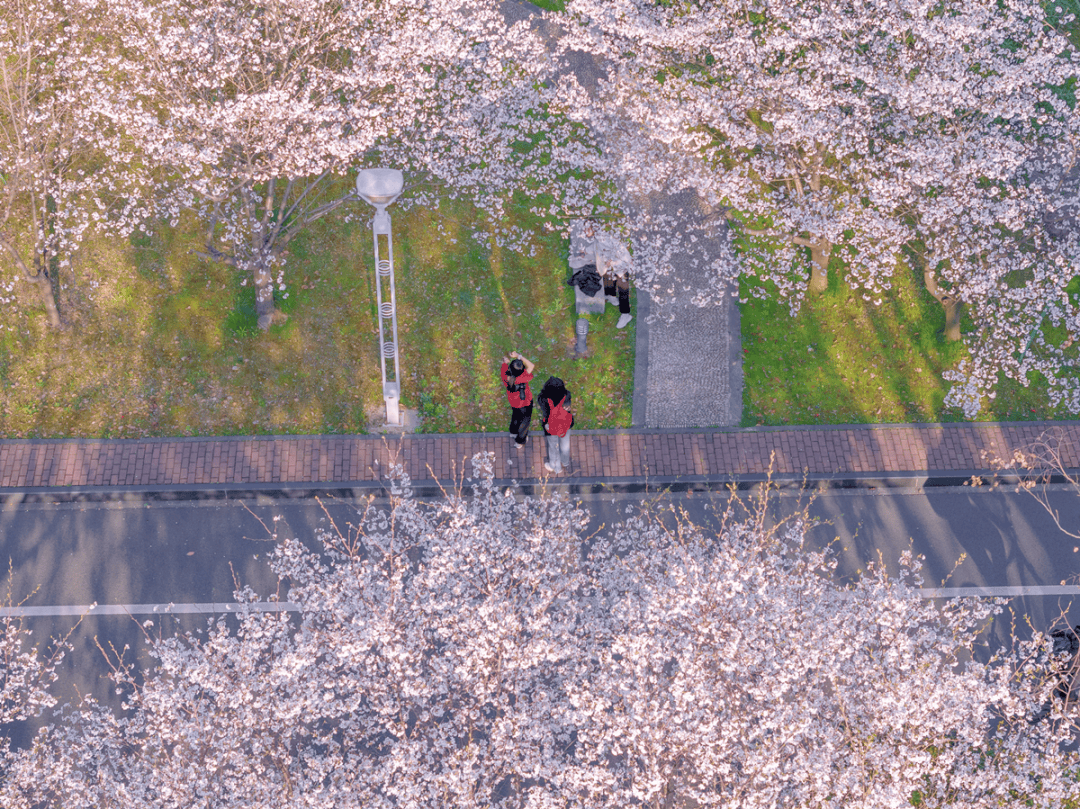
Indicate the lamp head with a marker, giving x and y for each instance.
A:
(379, 187)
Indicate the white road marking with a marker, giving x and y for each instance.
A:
(217, 608)
(999, 592)
(144, 609)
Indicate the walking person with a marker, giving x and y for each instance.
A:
(516, 372)
(557, 418)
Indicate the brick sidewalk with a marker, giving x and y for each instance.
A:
(709, 455)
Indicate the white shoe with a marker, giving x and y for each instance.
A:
(548, 467)
(623, 320)
(612, 300)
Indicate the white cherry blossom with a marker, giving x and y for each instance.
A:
(488, 650)
(874, 132)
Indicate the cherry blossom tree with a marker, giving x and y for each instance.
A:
(811, 122)
(1012, 262)
(1039, 468)
(870, 133)
(253, 112)
(483, 650)
(426, 669)
(26, 151)
(26, 673)
(736, 672)
(62, 170)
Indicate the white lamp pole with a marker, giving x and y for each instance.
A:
(380, 187)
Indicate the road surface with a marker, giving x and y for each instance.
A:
(132, 552)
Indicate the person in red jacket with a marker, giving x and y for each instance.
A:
(557, 418)
(516, 372)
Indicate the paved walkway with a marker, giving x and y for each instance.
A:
(688, 362)
(688, 368)
(611, 457)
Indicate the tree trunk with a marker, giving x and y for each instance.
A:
(952, 305)
(953, 310)
(265, 311)
(263, 235)
(820, 249)
(48, 299)
(274, 222)
(40, 280)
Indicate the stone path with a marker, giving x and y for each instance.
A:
(611, 457)
(688, 366)
(688, 371)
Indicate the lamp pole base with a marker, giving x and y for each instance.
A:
(392, 397)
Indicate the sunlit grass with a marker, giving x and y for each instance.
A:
(842, 360)
(166, 344)
(479, 305)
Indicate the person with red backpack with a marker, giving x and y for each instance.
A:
(516, 374)
(557, 418)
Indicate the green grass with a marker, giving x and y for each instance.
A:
(842, 360)
(475, 305)
(166, 344)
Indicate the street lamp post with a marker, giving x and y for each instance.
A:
(380, 187)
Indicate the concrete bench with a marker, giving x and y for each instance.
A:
(584, 304)
(589, 304)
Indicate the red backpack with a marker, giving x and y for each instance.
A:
(559, 418)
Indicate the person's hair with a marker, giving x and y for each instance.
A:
(516, 368)
(554, 389)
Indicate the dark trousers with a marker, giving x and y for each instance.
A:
(623, 287)
(519, 423)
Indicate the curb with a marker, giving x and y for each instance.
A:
(790, 428)
(897, 481)
(643, 308)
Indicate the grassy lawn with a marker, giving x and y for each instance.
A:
(164, 344)
(841, 360)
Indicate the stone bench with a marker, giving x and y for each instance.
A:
(584, 304)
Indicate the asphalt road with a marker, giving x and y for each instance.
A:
(154, 552)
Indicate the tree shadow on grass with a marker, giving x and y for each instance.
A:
(842, 360)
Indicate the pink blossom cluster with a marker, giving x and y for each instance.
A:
(489, 649)
(861, 136)
(940, 137)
